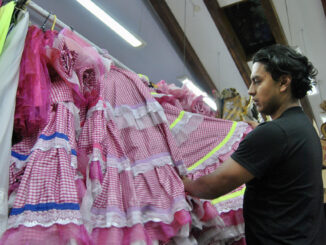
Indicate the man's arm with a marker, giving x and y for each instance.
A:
(224, 179)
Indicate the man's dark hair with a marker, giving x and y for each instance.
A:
(282, 60)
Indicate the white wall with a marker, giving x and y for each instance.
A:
(207, 42)
(304, 24)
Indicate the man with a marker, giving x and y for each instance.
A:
(280, 161)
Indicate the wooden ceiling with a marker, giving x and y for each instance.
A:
(225, 29)
(229, 36)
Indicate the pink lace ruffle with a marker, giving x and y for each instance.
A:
(53, 235)
(188, 100)
(148, 233)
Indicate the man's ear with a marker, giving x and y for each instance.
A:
(285, 82)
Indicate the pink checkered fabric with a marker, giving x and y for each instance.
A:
(48, 177)
(124, 88)
(209, 133)
(42, 166)
(152, 192)
(60, 92)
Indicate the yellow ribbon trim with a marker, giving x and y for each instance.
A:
(228, 196)
(226, 139)
(153, 93)
(177, 120)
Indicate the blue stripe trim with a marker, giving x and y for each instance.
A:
(73, 152)
(56, 134)
(45, 207)
(19, 156)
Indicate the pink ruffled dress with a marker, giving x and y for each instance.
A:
(45, 190)
(205, 143)
(104, 160)
(135, 194)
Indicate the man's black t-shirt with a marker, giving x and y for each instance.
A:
(283, 204)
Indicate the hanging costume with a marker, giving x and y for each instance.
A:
(9, 70)
(103, 166)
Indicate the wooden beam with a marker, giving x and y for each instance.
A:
(230, 39)
(176, 32)
(273, 21)
(324, 5)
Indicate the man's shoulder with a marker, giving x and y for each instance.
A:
(269, 128)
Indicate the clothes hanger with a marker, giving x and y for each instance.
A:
(54, 21)
(44, 23)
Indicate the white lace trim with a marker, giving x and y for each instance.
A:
(45, 218)
(124, 164)
(233, 204)
(75, 112)
(120, 219)
(236, 136)
(188, 123)
(124, 116)
(45, 145)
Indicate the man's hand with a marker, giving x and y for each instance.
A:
(224, 179)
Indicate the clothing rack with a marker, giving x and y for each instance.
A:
(46, 14)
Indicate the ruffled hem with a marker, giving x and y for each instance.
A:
(241, 130)
(148, 233)
(140, 116)
(224, 236)
(234, 204)
(54, 235)
(204, 214)
(188, 123)
(124, 164)
(45, 218)
(228, 235)
(108, 217)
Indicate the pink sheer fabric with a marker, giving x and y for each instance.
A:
(33, 93)
(185, 97)
(79, 65)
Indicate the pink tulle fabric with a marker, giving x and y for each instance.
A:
(33, 93)
(188, 100)
(53, 235)
(148, 232)
(234, 217)
(79, 65)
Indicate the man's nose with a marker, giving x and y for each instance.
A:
(251, 90)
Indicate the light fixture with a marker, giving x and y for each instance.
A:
(209, 101)
(197, 91)
(110, 22)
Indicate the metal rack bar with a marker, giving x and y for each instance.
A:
(39, 10)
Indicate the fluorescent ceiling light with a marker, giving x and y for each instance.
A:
(197, 91)
(210, 102)
(110, 22)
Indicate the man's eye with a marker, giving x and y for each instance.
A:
(256, 81)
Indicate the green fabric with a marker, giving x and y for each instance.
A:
(5, 18)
